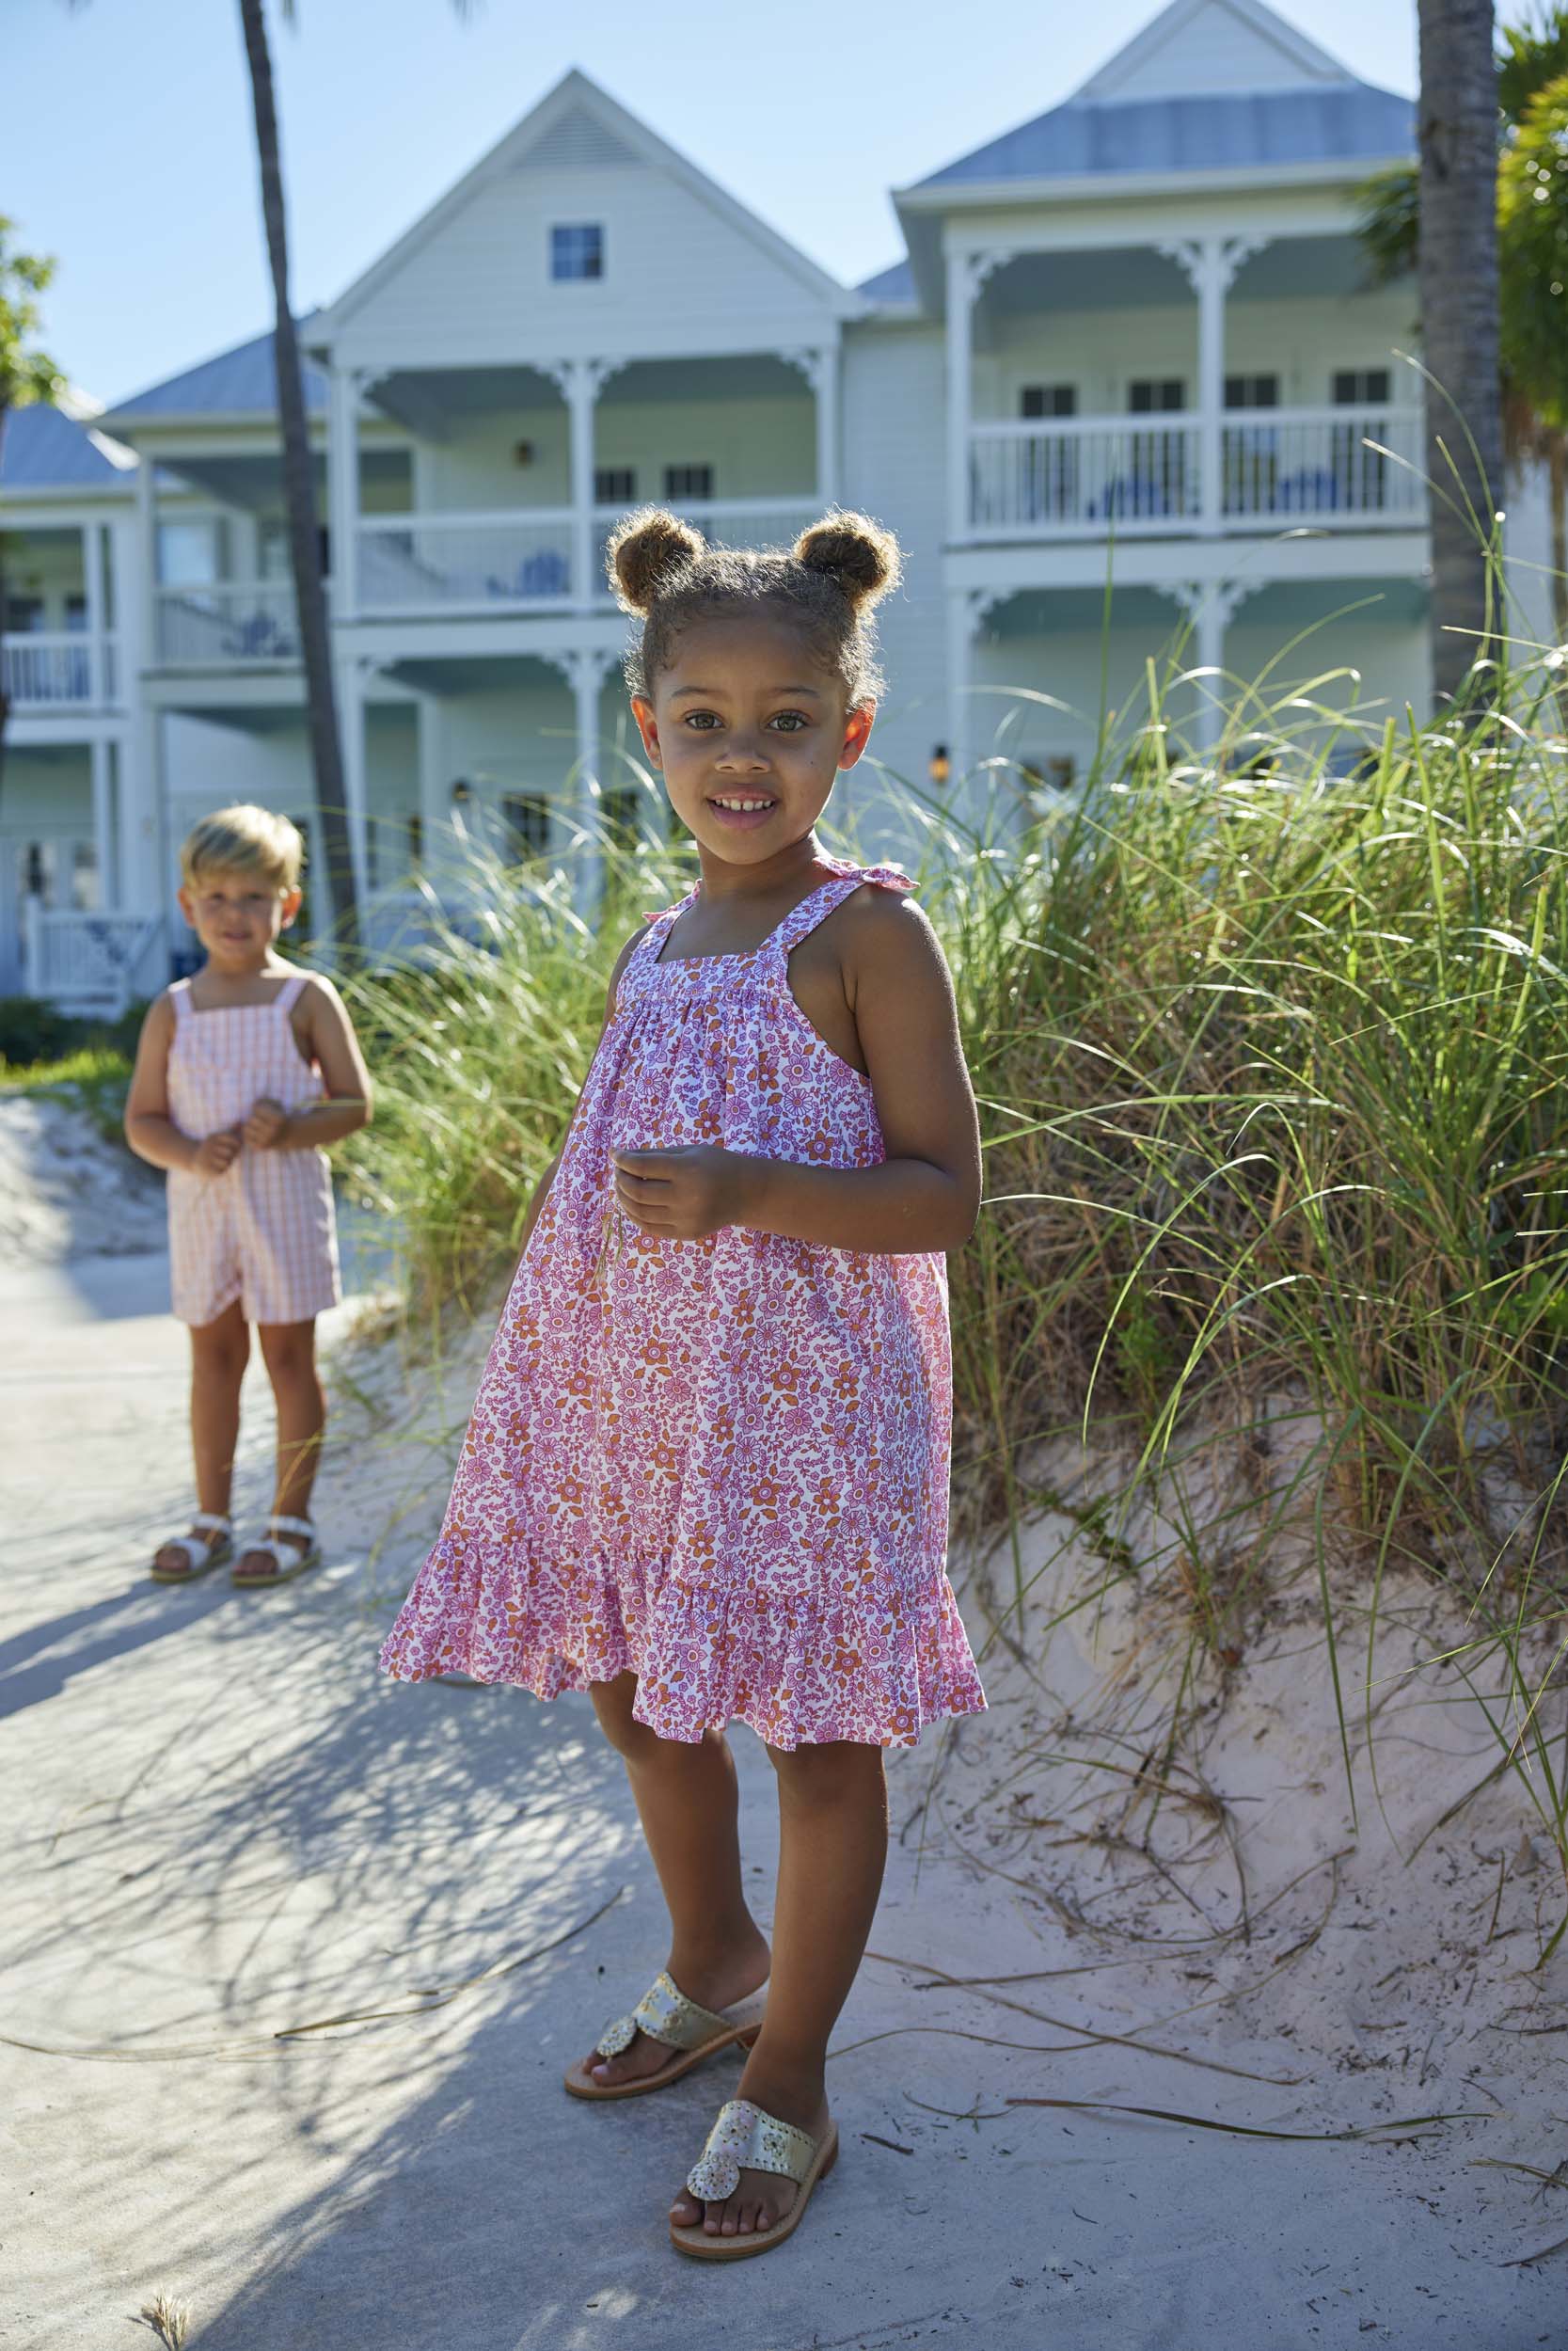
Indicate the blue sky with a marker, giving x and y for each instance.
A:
(128, 147)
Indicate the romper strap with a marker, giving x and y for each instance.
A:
(819, 903)
(288, 996)
(179, 997)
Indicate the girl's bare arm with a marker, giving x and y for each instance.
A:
(347, 1102)
(924, 1196)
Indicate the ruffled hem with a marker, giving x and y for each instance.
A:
(797, 1667)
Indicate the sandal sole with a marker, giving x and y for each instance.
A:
(192, 1575)
(578, 2084)
(284, 1575)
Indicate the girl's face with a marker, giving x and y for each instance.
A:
(237, 916)
(749, 732)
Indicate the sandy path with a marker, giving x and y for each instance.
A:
(220, 1825)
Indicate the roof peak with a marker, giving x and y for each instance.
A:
(1211, 48)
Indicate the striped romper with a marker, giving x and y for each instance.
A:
(264, 1232)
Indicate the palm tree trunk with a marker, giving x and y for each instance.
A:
(299, 497)
(4, 698)
(1457, 271)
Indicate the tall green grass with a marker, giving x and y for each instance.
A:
(1270, 1047)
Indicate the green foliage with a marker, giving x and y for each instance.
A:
(1532, 222)
(1530, 56)
(27, 374)
(33, 1035)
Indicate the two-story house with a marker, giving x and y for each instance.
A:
(1127, 379)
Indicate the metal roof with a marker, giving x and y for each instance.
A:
(1348, 121)
(896, 284)
(241, 382)
(44, 449)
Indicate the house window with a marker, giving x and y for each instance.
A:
(689, 481)
(577, 251)
(526, 817)
(1048, 400)
(188, 554)
(1361, 388)
(1252, 392)
(614, 485)
(23, 615)
(1152, 396)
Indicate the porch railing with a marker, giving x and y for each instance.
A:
(1088, 477)
(233, 622)
(63, 671)
(86, 963)
(450, 563)
(722, 521)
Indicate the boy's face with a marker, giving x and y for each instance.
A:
(237, 916)
(750, 733)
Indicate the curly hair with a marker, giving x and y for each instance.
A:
(665, 572)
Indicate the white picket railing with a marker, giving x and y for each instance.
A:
(62, 670)
(1090, 477)
(465, 561)
(1339, 466)
(229, 621)
(760, 522)
(1084, 476)
(86, 963)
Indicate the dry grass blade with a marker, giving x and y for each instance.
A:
(1523, 2260)
(169, 2319)
(1251, 2130)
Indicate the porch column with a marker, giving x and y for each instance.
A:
(435, 797)
(586, 668)
(960, 361)
(819, 366)
(103, 824)
(146, 558)
(93, 537)
(1210, 263)
(580, 382)
(351, 681)
(342, 488)
(1208, 607)
(967, 610)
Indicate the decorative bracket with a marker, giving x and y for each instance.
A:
(983, 264)
(572, 377)
(1221, 597)
(812, 362)
(1197, 257)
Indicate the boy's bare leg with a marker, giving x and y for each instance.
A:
(219, 1353)
(289, 1352)
(688, 1803)
(833, 1846)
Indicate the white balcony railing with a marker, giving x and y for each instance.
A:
(466, 562)
(1089, 477)
(230, 623)
(1278, 463)
(58, 671)
(1084, 477)
(86, 963)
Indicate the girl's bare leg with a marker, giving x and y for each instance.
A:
(833, 1846)
(688, 1803)
(289, 1352)
(219, 1353)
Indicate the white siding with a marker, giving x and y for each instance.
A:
(679, 276)
(1215, 50)
(757, 447)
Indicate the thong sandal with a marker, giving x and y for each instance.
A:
(745, 2139)
(665, 2013)
(299, 1538)
(199, 1556)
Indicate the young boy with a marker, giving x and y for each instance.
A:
(243, 1073)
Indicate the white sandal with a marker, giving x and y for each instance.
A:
(690, 2032)
(298, 1537)
(199, 1556)
(745, 2138)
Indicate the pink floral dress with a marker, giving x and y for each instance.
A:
(720, 1465)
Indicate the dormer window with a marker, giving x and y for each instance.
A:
(577, 251)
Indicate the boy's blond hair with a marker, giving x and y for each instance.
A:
(244, 839)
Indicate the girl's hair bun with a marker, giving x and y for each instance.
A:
(857, 554)
(646, 551)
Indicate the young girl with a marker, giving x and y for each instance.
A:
(706, 1473)
(243, 1075)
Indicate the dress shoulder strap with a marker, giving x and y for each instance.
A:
(819, 903)
(289, 993)
(179, 997)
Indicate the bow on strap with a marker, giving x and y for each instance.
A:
(745, 2139)
(664, 2013)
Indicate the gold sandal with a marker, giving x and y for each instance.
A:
(665, 2013)
(745, 2139)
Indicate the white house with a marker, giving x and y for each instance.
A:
(1130, 340)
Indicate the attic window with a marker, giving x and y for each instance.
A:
(577, 250)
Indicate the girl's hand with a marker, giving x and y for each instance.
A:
(685, 1195)
(267, 1126)
(216, 1153)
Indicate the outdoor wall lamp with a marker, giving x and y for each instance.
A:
(937, 766)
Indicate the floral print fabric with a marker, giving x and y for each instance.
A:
(722, 1464)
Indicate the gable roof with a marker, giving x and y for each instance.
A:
(239, 382)
(577, 122)
(1207, 84)
(45, 448)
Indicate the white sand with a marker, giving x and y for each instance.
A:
(66, 1191)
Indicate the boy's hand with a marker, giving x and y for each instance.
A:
(267, 1125)
(685, 1195)
(216, 1153)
